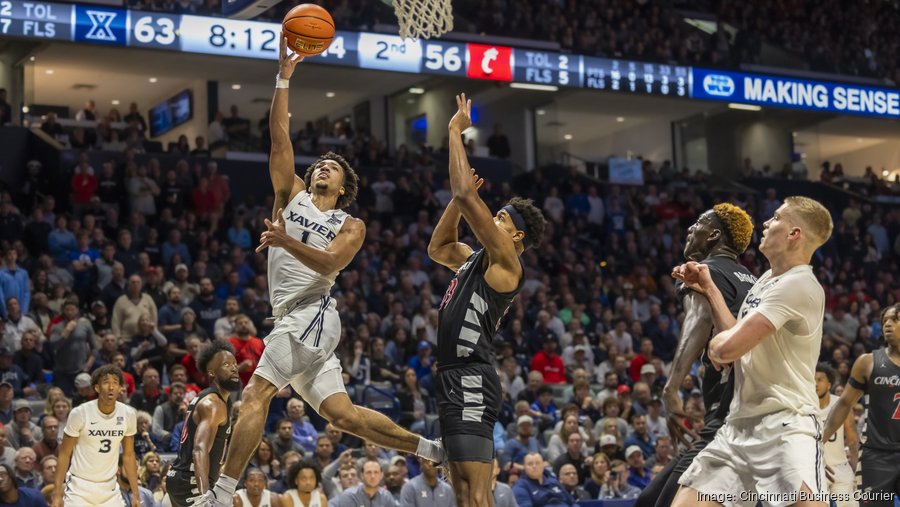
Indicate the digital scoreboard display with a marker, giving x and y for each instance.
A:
(388, 52)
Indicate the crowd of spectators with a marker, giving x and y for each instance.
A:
(829, 36)
(141, 265)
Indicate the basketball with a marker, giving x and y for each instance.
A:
(309, 29)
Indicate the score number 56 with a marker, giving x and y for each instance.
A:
(438, 57)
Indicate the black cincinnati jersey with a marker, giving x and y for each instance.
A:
(184, 462)
(469, 315)
(883, 410)
(734, 282)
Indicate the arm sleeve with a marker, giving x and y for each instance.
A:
(75, 423)
(523, 499)
(408, 496)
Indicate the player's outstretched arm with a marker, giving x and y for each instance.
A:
(504, 271)
(859, 375)
(62, 468)
(444, 247)
(728, 346)
(130, 461)
(698, 324)
(697, 277)
(211, 413)
(281, 158)
(336, 255)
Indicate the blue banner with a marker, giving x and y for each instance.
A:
(796, 93)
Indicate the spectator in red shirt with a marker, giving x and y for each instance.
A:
(84, 186)
(645, 357)
(206, 203)
(247, 348)
(219, 185)
(548, 362)
(189, 361)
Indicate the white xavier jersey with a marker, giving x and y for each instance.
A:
(779, 373)
(265, 499)
(96, 455)
(288, 277)
(834, 448)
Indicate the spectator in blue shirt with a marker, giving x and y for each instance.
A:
(641, 436)
(638, 473)
(14, 281)
(82, 262)
(13, 374)
(544, 405)
(13, 495)
(516, 448)
(61, 242)
(538, 487)
(305, 433)
(238, 234)
(421, 363)
(175, 246)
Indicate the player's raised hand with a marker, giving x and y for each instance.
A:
(477, 180)
(287, 59)
(275, 234)
(694, 275)
(463, 117)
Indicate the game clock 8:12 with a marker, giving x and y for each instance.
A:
(230, 37)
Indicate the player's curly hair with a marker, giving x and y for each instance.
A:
(295, 469)
(827, 370)
(107, 369)
(738, 227)
(210, 351)
(895, 307)
(535, 223)
(351, 179)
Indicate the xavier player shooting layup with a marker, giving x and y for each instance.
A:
(306, 253)
(93, 434)
(877, 375)
(207, 426)
(485, 284)
(770, 443)
(715, 240)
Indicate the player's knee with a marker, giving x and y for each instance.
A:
(257, 395)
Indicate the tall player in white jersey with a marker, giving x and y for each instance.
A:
(309, 242)
(769, 449)
(838, 467)
(93, 434)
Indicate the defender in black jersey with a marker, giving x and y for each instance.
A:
(718, 237)
(485, 284)
(207, 426)
(877, 376)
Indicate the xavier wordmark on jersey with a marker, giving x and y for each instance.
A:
(313, 226)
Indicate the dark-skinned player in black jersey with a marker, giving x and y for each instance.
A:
(207, 426)
(718, 237)
(479, 295)
(876, 375)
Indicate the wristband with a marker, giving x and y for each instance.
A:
(281, 83)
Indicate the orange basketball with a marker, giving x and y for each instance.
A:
(309, 29)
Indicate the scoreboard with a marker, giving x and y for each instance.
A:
(254, 39)
(363, 50)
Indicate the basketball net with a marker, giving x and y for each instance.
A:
(423, 18)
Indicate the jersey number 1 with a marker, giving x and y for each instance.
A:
(305, 237)
(897, 411)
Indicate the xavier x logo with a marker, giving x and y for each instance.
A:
(100, 29)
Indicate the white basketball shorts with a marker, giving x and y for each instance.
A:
(300, 351)
(765, 459)
(83, 493)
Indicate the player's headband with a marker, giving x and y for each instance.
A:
(519, 222)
